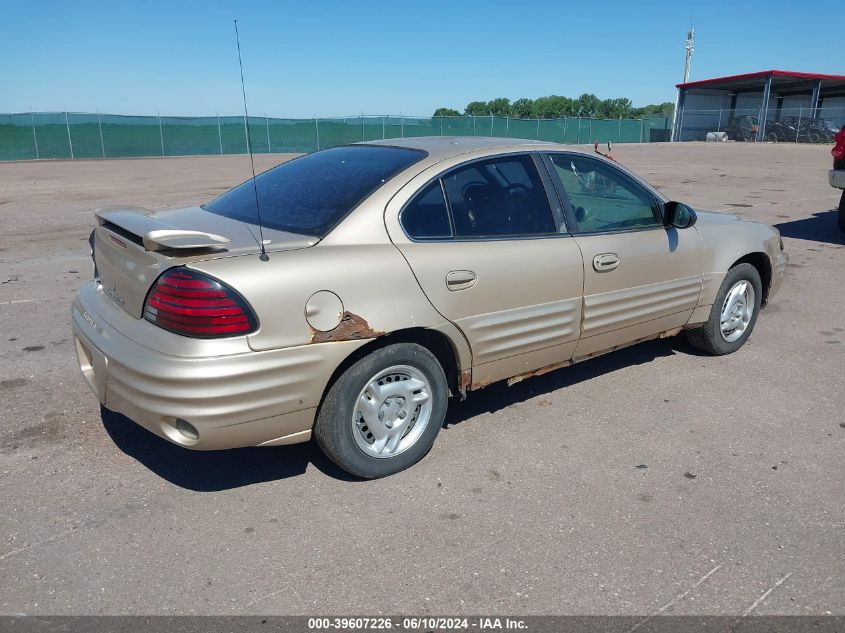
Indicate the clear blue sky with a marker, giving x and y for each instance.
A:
(342, 58)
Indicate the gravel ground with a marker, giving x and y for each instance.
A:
(651, 480)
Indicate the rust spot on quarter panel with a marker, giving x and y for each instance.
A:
(351, 327)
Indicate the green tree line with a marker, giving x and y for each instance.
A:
(555, 106)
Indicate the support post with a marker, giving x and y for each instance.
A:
(491, 124)
(384, 129)
(734, 98)
(677, 119)
(764, 110)
(642, 125)
(34, 135)
(814, 100)
(620, 130)
(798, 127)
(362, 128)
(441, 126)
(565, 123)
(779, 108)
(267, 124)
(578, 142)
(160, 133)
(719, 126)
(507, 126)
(538, 128)
(402, 124)
(100, 125)
(69, 139)
(591, 131)
(219, 134)
(317, 129)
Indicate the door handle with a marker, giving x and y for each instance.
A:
(605, 262)
(460, 279)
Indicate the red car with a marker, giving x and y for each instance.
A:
(837, 174)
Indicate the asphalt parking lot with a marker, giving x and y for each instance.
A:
(651, 480)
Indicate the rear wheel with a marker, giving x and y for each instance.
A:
(842, 212)
(384, 412)
(733, 314)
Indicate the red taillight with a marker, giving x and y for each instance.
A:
(190, 303)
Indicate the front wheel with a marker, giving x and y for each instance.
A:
(733, 314)
(384, 412)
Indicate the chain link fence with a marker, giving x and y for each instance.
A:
(787, 125)
(75, 135)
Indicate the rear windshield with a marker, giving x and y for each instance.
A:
(311, 194)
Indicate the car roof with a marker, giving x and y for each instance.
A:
(443, 147)
(452, 150)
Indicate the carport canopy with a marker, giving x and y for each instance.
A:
(773, 84)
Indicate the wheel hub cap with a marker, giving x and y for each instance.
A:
(392, 411)
(737, 311)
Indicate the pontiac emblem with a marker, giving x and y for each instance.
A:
(112, 292)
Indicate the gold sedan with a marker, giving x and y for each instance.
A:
(348, 293)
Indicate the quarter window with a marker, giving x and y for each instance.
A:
(603, 198)
(499, 197)
(427, 216)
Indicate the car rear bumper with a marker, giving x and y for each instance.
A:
(231, 400)
(836, 178)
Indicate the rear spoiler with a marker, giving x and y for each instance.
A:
(157, 235)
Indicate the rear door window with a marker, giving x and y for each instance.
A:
(499, 197)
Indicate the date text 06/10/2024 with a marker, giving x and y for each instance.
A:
(428, 623)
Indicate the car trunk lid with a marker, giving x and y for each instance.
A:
(133, 246)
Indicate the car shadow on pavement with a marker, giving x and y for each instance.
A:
(212, 471)
(821, 227)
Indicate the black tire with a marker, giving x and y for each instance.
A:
(334, 431)
(708, 337)
(841, 215)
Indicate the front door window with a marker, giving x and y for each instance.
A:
(603, 198)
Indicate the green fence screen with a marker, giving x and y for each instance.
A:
(74, 135)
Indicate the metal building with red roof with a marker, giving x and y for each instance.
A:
(712, 104)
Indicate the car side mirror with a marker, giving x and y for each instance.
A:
(679, 215)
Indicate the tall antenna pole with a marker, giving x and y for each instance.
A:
(690, 46)
(263, 257)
